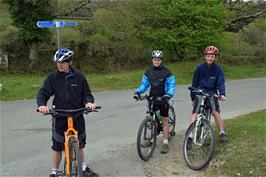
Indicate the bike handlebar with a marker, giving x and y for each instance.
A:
(149, 98)
(202, 91)
(54, 111)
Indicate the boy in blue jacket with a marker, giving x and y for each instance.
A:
(161, 82)
(209, 77)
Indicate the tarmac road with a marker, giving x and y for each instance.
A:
(111, 133)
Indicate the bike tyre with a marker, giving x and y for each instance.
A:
(77, 159)
(172, 121)
(142, 127)
(210, 153)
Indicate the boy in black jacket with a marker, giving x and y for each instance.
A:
(71, 91)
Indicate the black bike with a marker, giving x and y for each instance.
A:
(202, 135)
(151, 127)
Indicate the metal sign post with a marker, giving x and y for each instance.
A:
(57, 25)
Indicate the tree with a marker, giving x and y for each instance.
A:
(180, 25)
(25, 14)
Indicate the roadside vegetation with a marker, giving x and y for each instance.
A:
(18, 86)
(244, 154)
(113, 40)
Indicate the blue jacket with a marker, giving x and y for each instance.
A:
(160, 81)
(211, 79)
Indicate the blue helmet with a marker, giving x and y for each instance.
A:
(62, 55)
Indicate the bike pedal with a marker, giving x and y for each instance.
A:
(60, 174)
(172, 133)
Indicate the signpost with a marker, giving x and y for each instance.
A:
(57, 25)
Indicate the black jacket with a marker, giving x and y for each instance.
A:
(71, 91)
(161, 81)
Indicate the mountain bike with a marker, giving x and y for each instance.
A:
(202, 135)
(72, 164)
(151, 127)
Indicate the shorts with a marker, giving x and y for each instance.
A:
(59, 126)
(163, 107)
(212, 103)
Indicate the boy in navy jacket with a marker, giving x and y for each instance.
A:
(209, 77)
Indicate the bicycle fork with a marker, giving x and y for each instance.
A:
(69, 135)
(199, 131)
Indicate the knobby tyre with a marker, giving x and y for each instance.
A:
(202, 151)
(146, 139)
(77, 159)
(172, 121)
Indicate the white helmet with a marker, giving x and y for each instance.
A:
(157, 54)
(62, 55)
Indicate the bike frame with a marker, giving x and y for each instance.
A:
(201, 116)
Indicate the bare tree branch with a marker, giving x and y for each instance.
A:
(76, 8)
(240, 22)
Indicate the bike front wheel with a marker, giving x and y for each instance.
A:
(146, 138)
(75, 167)
(171, 120)
(202, 144)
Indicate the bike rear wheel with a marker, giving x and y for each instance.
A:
(146, 138)
(171, 120)
(203, 145)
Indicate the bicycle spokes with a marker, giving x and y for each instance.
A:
(146, 139)
(202, 147)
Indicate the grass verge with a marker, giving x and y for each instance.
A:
(16, 87)
(244, 154)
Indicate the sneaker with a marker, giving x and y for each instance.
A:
(189, 143)
(146, 143)
(52, 175)
(89, 173)
(223, 138)
(165, 149)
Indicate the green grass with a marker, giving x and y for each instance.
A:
(26, 86)
(244, 154)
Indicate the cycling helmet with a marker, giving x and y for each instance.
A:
(157, 54)
(211, 50)
(62, 55)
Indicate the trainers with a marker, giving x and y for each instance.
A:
(223, 138)
(189, 143)
(165, 149)
(89, 173)
(146, 143)
(52, 175)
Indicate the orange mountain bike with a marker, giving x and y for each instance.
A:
(72, 165)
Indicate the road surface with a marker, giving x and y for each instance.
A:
(111, 133)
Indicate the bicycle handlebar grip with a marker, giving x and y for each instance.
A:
(136, 97)
(191, 88)
(98, 107)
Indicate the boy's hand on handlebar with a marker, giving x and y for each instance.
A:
(222, 97)
(43, 109)
(136, 96)
(91, 105)
(166, 98)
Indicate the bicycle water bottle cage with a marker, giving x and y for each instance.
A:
(158, 115)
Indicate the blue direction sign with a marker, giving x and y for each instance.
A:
(55, 24)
